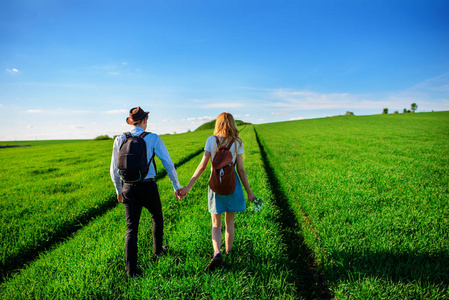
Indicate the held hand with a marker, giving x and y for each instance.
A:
(119, 198)
(185, 190)
(251, 197)
(180, 194)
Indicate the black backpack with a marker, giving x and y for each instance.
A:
(132, 158)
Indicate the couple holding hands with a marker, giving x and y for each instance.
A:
(145, 193)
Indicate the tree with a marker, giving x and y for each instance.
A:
(414, 107)
(385, 111)
(102, 138)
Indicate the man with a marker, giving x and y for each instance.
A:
(144, 193)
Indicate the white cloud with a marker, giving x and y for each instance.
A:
(429, 94)
(296, 119)
(15, 71)
(76, 126)
(308, 100)
(116, 111)
(292, 100)
(205, 118)
(113, 68)
(64, 111)
(242, 116)
(199, 119)
(60, 111)
(437, 84)
(224, 105)
(280, 113)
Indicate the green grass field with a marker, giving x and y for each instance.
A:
(373, 196)
(52, 189)
(356, 207)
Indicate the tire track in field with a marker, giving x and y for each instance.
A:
(17, 261)
(309, 283)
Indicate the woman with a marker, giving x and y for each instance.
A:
(227, 133)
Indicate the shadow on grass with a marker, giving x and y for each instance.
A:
(181, 162)
(309, 283)
(59, 235)
(422, 268)
(245, 274)
(16, 262)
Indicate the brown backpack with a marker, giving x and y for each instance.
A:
(223, 180)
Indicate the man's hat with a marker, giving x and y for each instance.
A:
(135, 115)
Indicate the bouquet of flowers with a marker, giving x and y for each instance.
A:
(258, 204)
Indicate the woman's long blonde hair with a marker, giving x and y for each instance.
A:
(226, 128)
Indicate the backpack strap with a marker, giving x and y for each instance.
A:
(228, 146)
(142, 135)
(154, 163)
(127, 136)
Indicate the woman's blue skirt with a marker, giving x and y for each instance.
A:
(234, 202)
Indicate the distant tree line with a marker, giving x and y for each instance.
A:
(102, 137)
(413, 108)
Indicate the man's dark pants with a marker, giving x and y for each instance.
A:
(136, 196)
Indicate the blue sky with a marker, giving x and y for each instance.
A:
(73, 69)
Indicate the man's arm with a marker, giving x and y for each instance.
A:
(162, 153)
(115, 176)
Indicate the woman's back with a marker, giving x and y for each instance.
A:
(236, 147)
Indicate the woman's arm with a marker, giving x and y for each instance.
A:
(243, 178)
(199, 170)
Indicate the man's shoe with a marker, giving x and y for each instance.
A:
(215, 262)
(133, 276)
(164, 251)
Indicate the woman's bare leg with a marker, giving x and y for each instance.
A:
(216, 231)
(230, 230)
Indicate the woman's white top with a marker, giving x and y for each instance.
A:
(236, 147)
